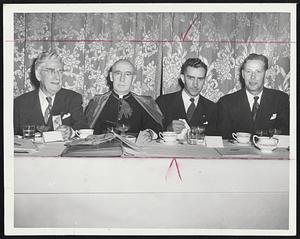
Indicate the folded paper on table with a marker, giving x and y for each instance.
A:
(283, 141)
(24, 146)
(213, 141)
(110, 148)
(110, 144)
(182, 135)
(52, 136)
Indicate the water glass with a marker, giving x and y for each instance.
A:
(29, 132)
(196, 135)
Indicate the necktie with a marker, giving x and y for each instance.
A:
(48, 110)
(255, 107)
(191, 109)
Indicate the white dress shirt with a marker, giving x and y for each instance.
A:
(251, 98)
(186, 100)
(44, 102)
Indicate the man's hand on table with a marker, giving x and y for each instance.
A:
(176, 126)
(66, 131)
(146, 136)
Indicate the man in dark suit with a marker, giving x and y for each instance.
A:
(254, 108)
(188, 103)
(49, 104)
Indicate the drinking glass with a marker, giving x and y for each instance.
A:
(196, 135)
(29, 132)
(122, 128)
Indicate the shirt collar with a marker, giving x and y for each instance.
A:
(121, 96)
(249, 95)
(186, 97)
(250, 98)
(42, 95)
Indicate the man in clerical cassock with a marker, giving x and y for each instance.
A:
(122, 109)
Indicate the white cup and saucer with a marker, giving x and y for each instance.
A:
(168, 137)
(83, 133)
(265, 144)
(242, 138)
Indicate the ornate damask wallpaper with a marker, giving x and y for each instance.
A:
(157, 44)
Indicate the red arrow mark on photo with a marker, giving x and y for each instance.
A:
(184, 34)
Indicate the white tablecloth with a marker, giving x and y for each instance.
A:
(152, 192)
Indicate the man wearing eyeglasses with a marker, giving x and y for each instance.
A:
(122, 109)
(49, 107)
(188, 106)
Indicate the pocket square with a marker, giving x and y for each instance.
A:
(66, 116)
(274, 116)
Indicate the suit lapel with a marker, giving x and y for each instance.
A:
(245, 105)
(57, 104)
(179, 103)
(37, 110)
(266, 101)
(199, 116)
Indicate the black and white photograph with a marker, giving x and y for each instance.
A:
(153, 119)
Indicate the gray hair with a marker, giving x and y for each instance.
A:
(46, 57)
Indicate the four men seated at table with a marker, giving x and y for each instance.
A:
(252, 108)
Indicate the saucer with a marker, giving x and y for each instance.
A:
(161, 141)
(241, 144)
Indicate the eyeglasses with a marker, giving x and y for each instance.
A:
(127, 74)
(52, 71)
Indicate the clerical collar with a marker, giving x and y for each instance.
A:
(120, 96)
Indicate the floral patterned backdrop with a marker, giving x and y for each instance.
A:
(157, 44)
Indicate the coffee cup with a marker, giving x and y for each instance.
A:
(83, 133)
(265, 144)
(242, 137)
(130, 138)
(169, 137)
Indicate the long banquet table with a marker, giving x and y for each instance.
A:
(187, 186)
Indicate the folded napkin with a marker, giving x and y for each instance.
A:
(182, 135)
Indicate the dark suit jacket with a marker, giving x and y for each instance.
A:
(234, 113)
(172, 107)
(27, 110)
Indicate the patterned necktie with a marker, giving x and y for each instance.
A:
(191, 109)
(48, 110)
(255, 107)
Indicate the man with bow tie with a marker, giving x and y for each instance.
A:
(121, 107)
(254, 108)
(49, 107)
(188, 103)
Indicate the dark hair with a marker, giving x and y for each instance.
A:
(254, 56)
(195, 63)
(192, 62)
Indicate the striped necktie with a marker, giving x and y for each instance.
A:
(255, 107)
(191, 109)
(48, 110)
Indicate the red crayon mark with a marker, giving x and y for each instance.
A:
(183, 35)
